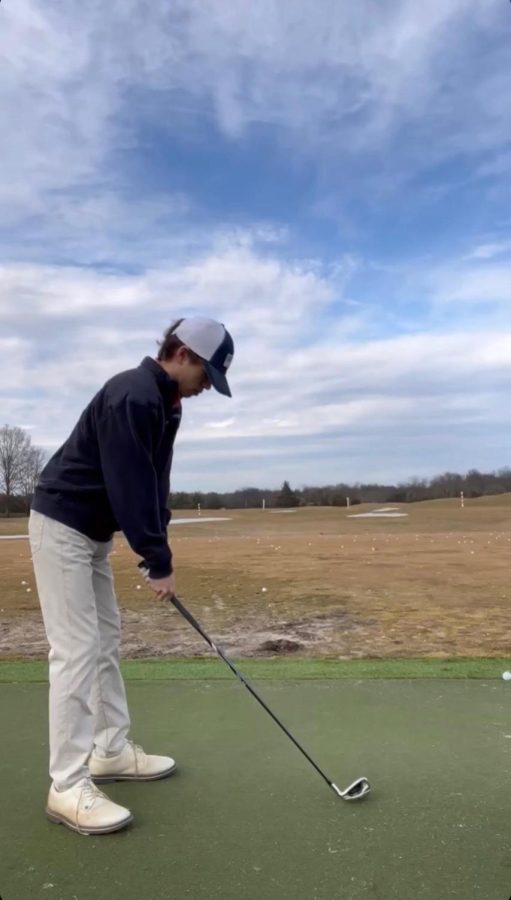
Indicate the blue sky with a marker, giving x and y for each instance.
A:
(330, 180)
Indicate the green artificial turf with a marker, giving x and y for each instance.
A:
(246, 817)
(301, 669)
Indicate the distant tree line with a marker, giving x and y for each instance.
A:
(21, 464)
(449, 484)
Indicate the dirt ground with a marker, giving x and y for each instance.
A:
(313, 583)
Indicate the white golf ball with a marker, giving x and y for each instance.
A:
(506, 676)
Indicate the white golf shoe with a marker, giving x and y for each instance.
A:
(131, 764)
(84, 808)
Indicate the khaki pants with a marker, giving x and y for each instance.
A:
(87, 702)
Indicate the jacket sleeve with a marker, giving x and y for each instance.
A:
(125, 439)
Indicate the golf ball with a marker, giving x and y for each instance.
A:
(506, 676)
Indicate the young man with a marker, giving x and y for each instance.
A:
(112, 473)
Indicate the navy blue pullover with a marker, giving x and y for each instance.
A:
(113, 472)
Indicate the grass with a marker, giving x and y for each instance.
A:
(433, 585)
(23, 671)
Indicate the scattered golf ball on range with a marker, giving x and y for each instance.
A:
(506, 676)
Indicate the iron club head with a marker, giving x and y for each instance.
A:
(355, 791)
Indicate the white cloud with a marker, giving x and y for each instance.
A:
(53, 90)
(296, 381)
(490, 250)
(390, 87)
(263, 292)
(473, 284)
(81, 326)
(348, 76)
(223, 423)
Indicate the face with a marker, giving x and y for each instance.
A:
(191, 376)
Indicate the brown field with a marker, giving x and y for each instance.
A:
(434, 584)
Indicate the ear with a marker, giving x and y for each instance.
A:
(181, 355)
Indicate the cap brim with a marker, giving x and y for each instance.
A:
(218, 380)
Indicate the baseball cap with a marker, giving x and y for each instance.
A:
(212, 342)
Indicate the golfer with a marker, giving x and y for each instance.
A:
(111, 474)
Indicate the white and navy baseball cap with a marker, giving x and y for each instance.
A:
(212, 342)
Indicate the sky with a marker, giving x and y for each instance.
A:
(330, 180)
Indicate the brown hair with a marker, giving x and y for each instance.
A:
(171, 344)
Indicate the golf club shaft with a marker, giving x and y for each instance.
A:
(193, 622)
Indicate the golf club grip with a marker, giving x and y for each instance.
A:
(193, 622)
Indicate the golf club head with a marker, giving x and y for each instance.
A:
(355, 791)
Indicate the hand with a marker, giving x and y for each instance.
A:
(164, 588)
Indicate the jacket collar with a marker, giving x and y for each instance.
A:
(168, 387)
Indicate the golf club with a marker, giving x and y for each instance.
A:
(355, 791)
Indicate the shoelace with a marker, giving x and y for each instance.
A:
(88, 794)
(137, 751)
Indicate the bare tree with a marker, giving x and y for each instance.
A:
(31, 469)
(20, 467)
(14, 446)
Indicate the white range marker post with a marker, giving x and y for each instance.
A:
(198, 508)
(348, 502)
(462, 498)
(264, 504)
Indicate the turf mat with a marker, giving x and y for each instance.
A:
(246, 817)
